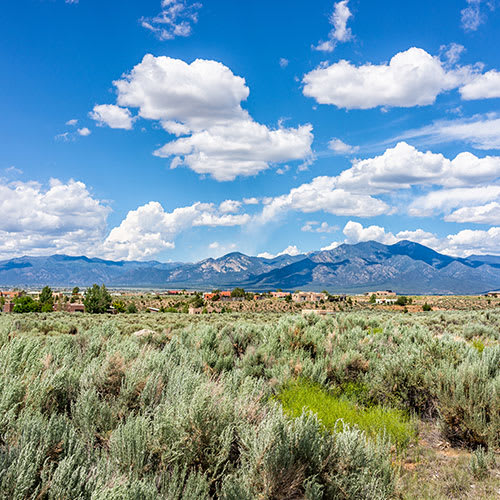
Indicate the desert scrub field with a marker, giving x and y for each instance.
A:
(245, 406)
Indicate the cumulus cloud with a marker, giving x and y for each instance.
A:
(251, 201)
(73, 122)
(201, 104)
(84, 131)
(322, 194)
(149, 230)
(113, 116)
(230, 206)
(340, 32)
(332, 246)
(340, 147)
(480, 131)
(468, 242)
(242, 149)
(60, 218)
(318, 227)
(404, 165)
(482, 214)
(290, 250)
(283, 62)
(461, 244)
(483, 86)
(445, 200)
(411, 78)
(175, 19)
(355, 232)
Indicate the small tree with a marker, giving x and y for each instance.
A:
(97, 299)
(402, 301)
(238, 292)
(26, 304)
(75, 291)
(426, 307)
(197, 301)
(119, 306)
(131, 309)
(373, 298)
(46, 300)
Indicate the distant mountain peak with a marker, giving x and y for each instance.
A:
(406, 267)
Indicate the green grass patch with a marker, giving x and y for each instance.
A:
(337, 412)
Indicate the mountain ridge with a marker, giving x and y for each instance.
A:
(406, 267)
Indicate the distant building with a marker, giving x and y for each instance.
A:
(8, 307)
(280, 295)
(385, 300)
(153, 309)
(224, 296)
(493, 294)
(73, 308)
(382, 293)
(308, 297)
(195, 310)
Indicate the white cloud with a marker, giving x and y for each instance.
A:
(63, 218)
(355, 233)
(451, 53)
(251, 201)
(411, 78)
(483, 86)
(403, 166)
(318, 227)
(72, 122)
(84, 131)
(481, 131)
(482, 214)
(340, 147)
(322, 194)
(461, 244)
(445, 200)
(149, 230)
(290, 250)
(198, 95)
(112, 116)
(468, 242)
(283, 62)
(340, 32)
(201, 101)
(332, 246)
(242, 148)
(175, 19)
(230, 206)
(472, 16)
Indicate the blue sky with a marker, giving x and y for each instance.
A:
(177, 130)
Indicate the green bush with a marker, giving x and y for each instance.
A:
(469, 399)
(337, 413)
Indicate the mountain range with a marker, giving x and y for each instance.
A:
(405, 267)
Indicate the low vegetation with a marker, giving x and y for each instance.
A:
(240, 406)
